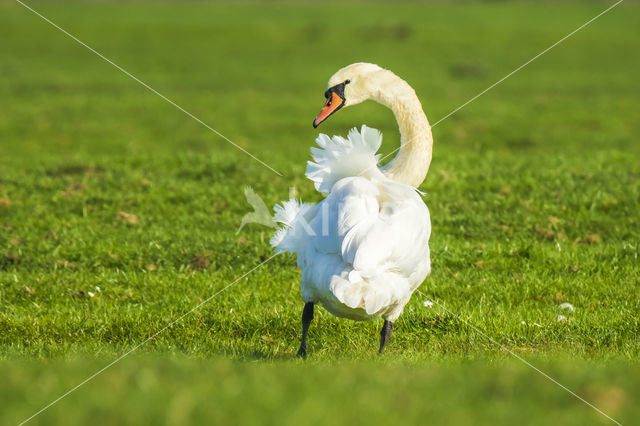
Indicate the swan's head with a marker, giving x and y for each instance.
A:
(351, 85)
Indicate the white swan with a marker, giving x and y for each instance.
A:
(363, 250)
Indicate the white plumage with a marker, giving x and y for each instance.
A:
(363, 250)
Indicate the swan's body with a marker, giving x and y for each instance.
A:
(364, 249)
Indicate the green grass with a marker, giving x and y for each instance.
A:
(179, 391)
(533, 194)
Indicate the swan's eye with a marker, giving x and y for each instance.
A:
(347, 81)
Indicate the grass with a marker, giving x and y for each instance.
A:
(357, 393)
(533, 194)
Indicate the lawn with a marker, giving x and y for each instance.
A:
(118, 214)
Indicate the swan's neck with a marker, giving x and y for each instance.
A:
(411, 164)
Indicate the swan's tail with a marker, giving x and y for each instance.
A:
(382, 292)
(294, 231)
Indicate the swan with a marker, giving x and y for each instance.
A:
(364, 249)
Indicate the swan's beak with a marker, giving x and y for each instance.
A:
(334, 103)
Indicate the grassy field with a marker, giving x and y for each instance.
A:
(118, 213)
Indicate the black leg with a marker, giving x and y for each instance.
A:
(385, 334)
(307, 316)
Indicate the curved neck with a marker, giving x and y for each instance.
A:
(411, 164)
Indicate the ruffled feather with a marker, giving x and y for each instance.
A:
(295, 230)
(338, 158)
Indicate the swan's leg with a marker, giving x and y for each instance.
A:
(385, 334)
(307, 316)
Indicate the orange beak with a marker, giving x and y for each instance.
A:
(334, 103)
